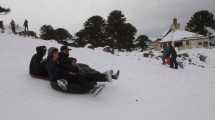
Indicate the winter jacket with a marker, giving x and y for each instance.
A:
(166, 52)
(66, 63)
(76, 83)
(38, 66)
(55, 72)
(173, 52)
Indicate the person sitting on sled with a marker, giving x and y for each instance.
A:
(70, 64)
(72, 82)
(37, 66)
(66, 62)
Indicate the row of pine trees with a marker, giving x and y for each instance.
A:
(114, 32)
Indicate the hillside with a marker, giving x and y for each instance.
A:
(146, 89)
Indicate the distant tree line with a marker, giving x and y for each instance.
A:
(114, 33)
(47, 32)
(4, 10)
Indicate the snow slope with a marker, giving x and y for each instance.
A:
(146, 90)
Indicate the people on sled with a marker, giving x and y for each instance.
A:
(70, 63)
(66, 80)
(37, 66)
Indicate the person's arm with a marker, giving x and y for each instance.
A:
(67, 64)
(73, 60)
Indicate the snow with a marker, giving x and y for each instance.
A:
(211, 30)
(146, 89)
(179, 35)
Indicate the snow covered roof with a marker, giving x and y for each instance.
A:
(179, 35)
(211, 30)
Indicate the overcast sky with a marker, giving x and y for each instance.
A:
(151, 17)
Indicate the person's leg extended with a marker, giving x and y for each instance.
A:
(96, 76)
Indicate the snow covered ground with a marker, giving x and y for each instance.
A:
(146, 89)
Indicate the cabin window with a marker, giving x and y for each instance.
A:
(200, 43)
(187, 43)
(178, 44)
(205, 44)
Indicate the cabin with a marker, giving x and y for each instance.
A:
(183, 39)
(211, 34)
(155, 45)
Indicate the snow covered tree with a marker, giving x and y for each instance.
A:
(94, 31)
(61, 34)
(115, 20)
(126, 37)
(120, 33)
(4, 10)
(81, 39)
(142, 42)
(199, 21)
(47, 32)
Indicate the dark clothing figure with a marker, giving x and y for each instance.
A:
(173, 59)
(2, 26)
(166, 54)
(13, 26)
(62, 79)
(73, 82)
(25, 25)
(38, 64)
(68, 63)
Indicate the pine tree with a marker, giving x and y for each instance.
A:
(93, 32)
(199, 21)
(120, 33)
(4, 10)
(142, 42)
(61, 34)
(47, 32)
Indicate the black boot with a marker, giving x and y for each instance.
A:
(116, 76)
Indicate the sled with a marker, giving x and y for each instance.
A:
(168, 61)
(97, 90)
(40, 77)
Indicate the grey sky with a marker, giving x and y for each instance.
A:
(151, 17)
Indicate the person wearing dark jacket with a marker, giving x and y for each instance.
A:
(166, 53)
(66, 81)
(25, 25)
(66, 62)
(70, 64)
(38, 64)
(13, 26)
(173, 54)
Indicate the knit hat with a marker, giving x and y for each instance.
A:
(51, 51)
(41, 49)
(64, 48)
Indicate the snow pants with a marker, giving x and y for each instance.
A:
(174, 63)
